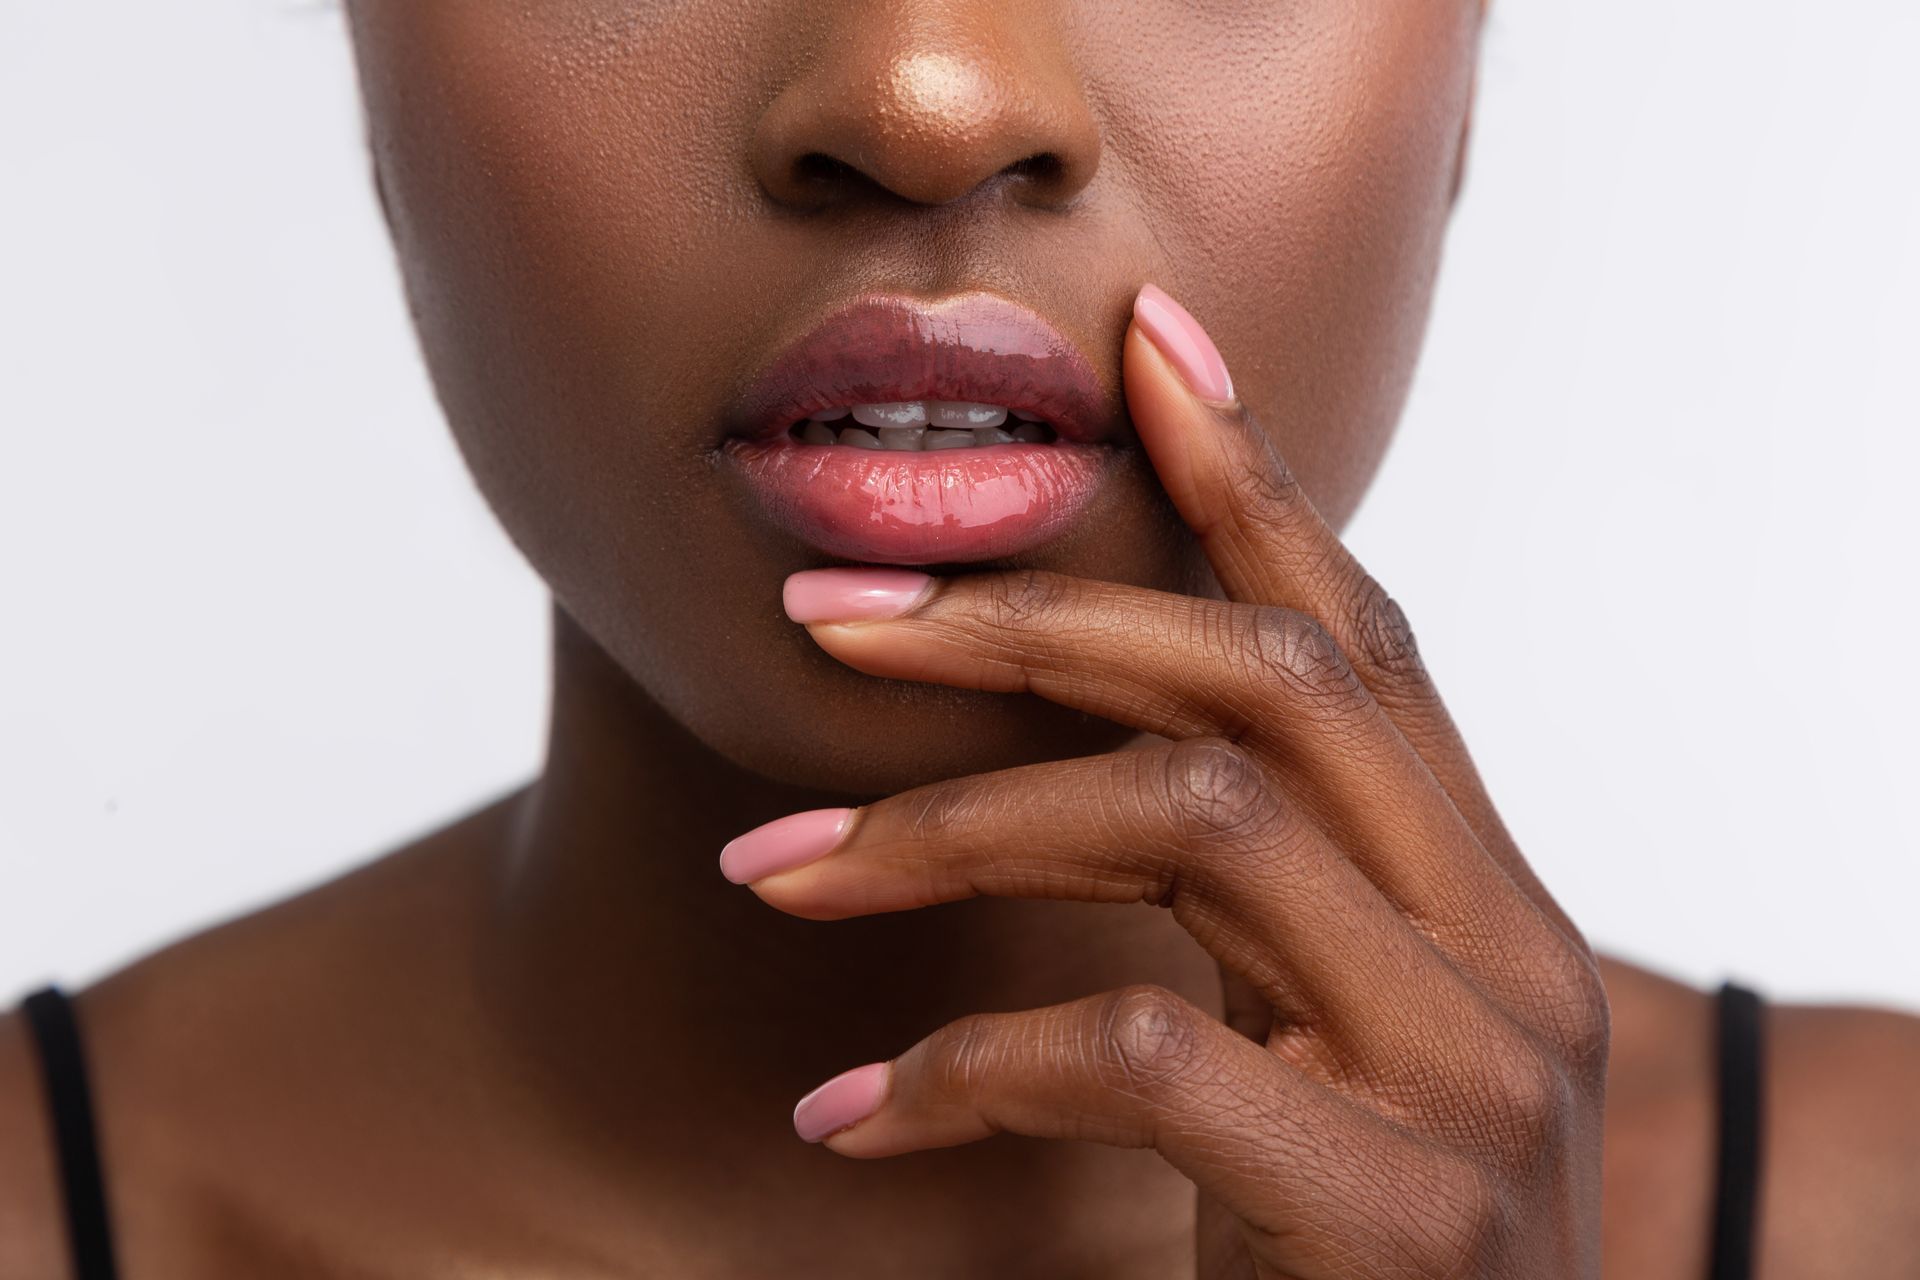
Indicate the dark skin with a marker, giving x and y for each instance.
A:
(1345, 1032)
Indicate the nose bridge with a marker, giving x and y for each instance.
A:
(928, 102)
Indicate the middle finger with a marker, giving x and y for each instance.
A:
(1193, 826)
(1267, 679)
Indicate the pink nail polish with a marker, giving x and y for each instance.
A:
(783, 843)
(851, 595)
(1184, 343)
(850, 1096)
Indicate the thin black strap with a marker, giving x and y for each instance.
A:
(63, 1068)
(1737, 1179)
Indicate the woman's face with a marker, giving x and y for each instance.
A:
(611, 215)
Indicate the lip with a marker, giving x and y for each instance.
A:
(940, 506)
(972, 346)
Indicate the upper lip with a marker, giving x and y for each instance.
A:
(977, 347)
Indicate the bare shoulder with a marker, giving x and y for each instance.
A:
(1842, 1195)
(1841, 1134)
(31, 1243)
(224, 1067)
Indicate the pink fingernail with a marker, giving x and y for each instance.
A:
(1183, 342)
(783, 844)
(850, 1096)
(849, 595)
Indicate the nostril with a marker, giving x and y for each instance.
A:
(817, 166)
(1043, 166)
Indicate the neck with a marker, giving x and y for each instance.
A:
(631, 974)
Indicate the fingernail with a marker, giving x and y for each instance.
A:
(1183, 342)
(850, 595)
(850, 1096)
(783, 844)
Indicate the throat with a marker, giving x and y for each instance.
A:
(617, 953)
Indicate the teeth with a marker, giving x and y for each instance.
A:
(961, 414)
(912, 426)
(902, 413)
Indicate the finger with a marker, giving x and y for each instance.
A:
(1173, 665)
(1268, 544)
(1179, 666)
(1141, 1067)
(1196, 827)
(1193, 826)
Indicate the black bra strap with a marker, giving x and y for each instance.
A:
(63, 1068)
(1737, 1178)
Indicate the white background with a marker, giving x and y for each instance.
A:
(1651, 510)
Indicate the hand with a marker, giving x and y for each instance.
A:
(1410, 1075)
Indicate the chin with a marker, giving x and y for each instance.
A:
(879, 737)
(700, 637)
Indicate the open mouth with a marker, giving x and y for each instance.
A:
(905, 432)
(916, 426)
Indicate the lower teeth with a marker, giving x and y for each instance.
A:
(918, 439)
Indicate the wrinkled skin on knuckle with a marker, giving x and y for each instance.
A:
(923, 838)
(1214, 793)
(1292, 649)
(966, 1053)
(1528, 1101)
(1021, 600)
(928, 813)
(1145, 1038)
(1382, 636)
(1263, 495)
(1573, 1011)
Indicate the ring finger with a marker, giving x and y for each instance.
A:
(1141, 1067)
(1270, 679)
(1193, 826)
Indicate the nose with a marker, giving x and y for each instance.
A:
(929, 102)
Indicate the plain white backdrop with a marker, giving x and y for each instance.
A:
(1651, 509)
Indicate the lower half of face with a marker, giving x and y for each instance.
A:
(611, 216)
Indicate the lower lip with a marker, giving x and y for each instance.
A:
(941, 506)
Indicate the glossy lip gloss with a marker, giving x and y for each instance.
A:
(940, 506)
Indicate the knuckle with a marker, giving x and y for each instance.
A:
(1529, 1097)
(1145, 1036)
(1214, 789)
(1018, 598)
(929, 812)
(1457, 1223)
(1382, 634)
(966, 1052)
(1577, 1013)
(1290, 648)
(1266, 494)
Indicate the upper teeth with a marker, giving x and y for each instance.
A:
(922, 424)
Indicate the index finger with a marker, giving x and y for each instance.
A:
(1268, 544)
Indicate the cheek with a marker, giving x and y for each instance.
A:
(1300, 179)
